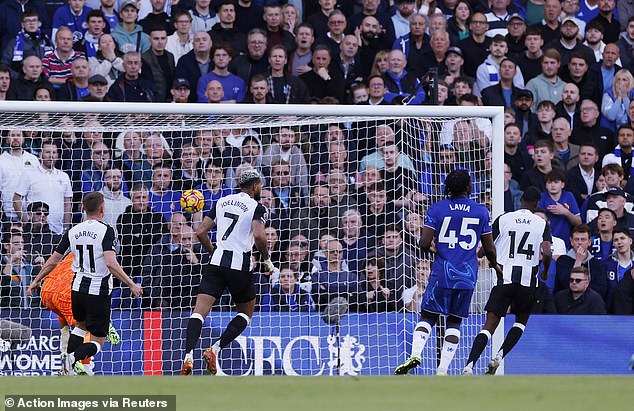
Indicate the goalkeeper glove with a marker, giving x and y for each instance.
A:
(268, 264)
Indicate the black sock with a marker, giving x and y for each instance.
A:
(514, 335)
(234, 329)
(73, 342)
(194, 326)
(479, 344)
(85, 350)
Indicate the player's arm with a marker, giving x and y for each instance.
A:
(547, 254)
(202, 233)
(488, 246)
(49, 265)
(427, 239)
(259, 236)
(53, 260)
(110, 258)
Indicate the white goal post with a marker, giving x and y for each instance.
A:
(366, 340)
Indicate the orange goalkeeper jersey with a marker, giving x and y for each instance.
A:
(61, 278)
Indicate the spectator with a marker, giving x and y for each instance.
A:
(29, 41)
(523, 106)
(335, 34)
(203, 18)
(529, 59)
(130, 87)
(622, 154)
(92, 178)
(568, 107)
(458, 24)
(319, 216)
(291, 16)
(570, 9)
(297, 257)
(213, 187)
(377, 91)
(89, 44)
(233, 86)
(287, 296)
(135, 169)
(399, 261)
(285, 146)
(5, 81)
(108, 62)
(612, 176)
(189, 171)
(512, 191)
(338, 181)
(110, 14)
(543, 157)
(47, 184)
(319, 19)
(323, 81)
(562, 208)
(73, 15)
(275, 34)
(10, 18)
(435, 58)
(565, 152)
(248, 15)
(196, 63)
(589, 131)
(487, 73)
(545, 117)
(623, 301)
(582, 177)
(516, 157)
(601, 234)
(504, 92)
(399, 83)
(180, 90)
(372, 8)
(606, 69)
(225, 31)
(157, 18)
(16, 274)
(607, 19)
(115, 200)
(14, 162)
(39, 240)
(619, 263)
(254, 61)
(380, 63)
(57, 65)
(384, 135)
(414, 43)
(300, 59)
(576, 71)
(579, 255)
(476, 47)
(594, 39)
(374, 295)
(331, 278)
(377, 212)
(76, 87)
(172, 270)
(162, 198)
(548, 85)
(578, 299)
(139, 228)
(128, 34)
(373, 39)
(181, 41)
(626, 43)
(616, 101)
(259, 91)
(413, 297)
(284, 88)
(568, 41)
(616, 201)
(158, 65)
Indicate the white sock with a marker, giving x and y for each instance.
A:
(64, 338)
(422, 330)
(189, 355)
(216, 347)
(448, 349)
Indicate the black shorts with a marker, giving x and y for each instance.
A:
(516, 296)
(216, 279)
(94, 310)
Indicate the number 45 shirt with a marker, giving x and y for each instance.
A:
(458, 224)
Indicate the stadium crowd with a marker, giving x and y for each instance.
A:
(346, 201)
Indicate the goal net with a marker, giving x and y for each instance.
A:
(346, 190)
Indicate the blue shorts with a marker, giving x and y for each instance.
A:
(447, 301)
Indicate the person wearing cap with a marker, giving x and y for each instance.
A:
(505, 92)
(515, 35)
(616, 200)
(240, 220)
(158, 65)
(579, 255)
(454, 61)
(180, 90)
(157, 18)
(570, 8)
(128, 34)
(524, 117)
(568, 41)
(76, 87)
(98, 87)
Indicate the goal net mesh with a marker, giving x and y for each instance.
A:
(346, 198)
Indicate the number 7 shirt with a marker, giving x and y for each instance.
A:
(458, 224)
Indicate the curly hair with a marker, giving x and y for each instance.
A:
(457, 184)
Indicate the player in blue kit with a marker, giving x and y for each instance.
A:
(452, 229)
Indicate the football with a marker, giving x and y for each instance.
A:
(192, 201)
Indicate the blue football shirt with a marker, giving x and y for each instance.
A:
(458, 223)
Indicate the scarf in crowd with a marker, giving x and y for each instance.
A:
(18, 49)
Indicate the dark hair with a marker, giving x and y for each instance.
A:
(531, 196)
(31, 13)
(457, 183)
(581, 269)
(375, 261)
(624, 126)
(95, 13)
(394, 228)
(534, 31)
(594, 24)
(542, 211)
(580, 228)
(470, 98)
(92, 202)
(578, 55)
(613, 167)
(221, 46)
(138, 187)
(556, 175)
(544, 143)
(181, 13)
(622, 230)
(609, 211)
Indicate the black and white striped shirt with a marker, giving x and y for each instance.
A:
(518, 238)
(233, 215)
(88, 241)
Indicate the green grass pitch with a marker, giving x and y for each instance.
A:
(277, 393)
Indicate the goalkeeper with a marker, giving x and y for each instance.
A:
(56, 296)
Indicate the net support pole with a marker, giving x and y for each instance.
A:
(497, 207)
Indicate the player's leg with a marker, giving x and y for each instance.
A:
(97, 320)
(242, 289)
(450, 344)
(481, 341)
(204, 302)
(422, 331)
